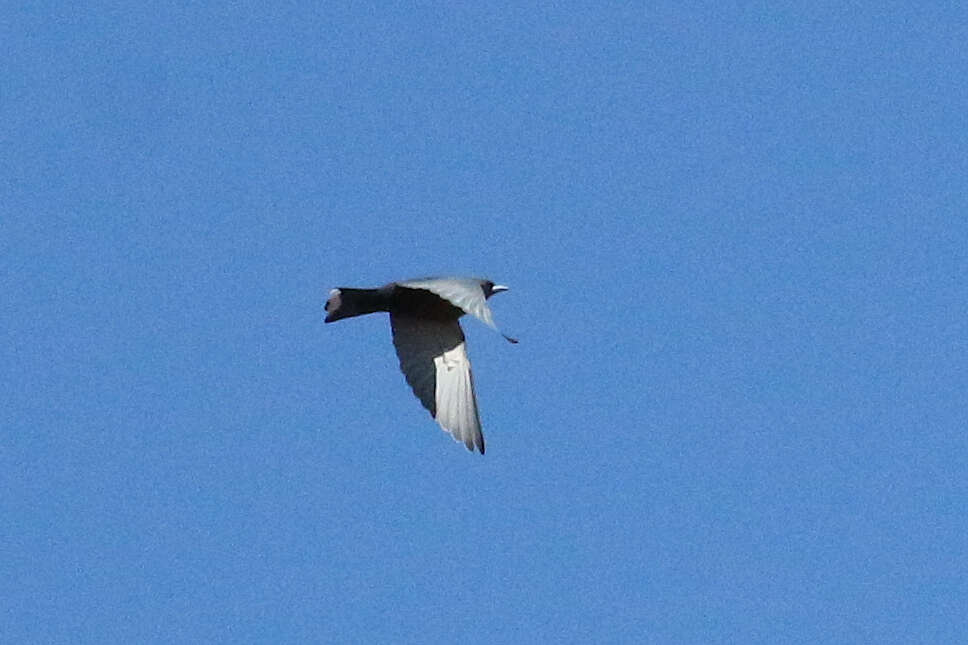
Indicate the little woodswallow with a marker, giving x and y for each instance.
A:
(429, 341)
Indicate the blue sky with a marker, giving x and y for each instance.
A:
(736, 242)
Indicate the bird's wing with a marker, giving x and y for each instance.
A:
(465, 293)
(433, 358)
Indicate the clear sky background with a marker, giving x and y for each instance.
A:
(736, 242)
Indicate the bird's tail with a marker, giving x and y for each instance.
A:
(346, 303)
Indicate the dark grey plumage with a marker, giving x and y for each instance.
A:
(429, 341)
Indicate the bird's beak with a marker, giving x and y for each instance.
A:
(498, 288)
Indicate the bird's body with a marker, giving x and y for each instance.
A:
(430, 344)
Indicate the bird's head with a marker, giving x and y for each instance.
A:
(490, 288)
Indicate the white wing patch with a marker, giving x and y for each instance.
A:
(456, 402)
(433, 358)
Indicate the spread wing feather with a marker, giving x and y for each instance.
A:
(433, 358)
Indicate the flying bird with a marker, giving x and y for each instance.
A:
(429, 341)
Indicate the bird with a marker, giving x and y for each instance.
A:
(429, 341)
